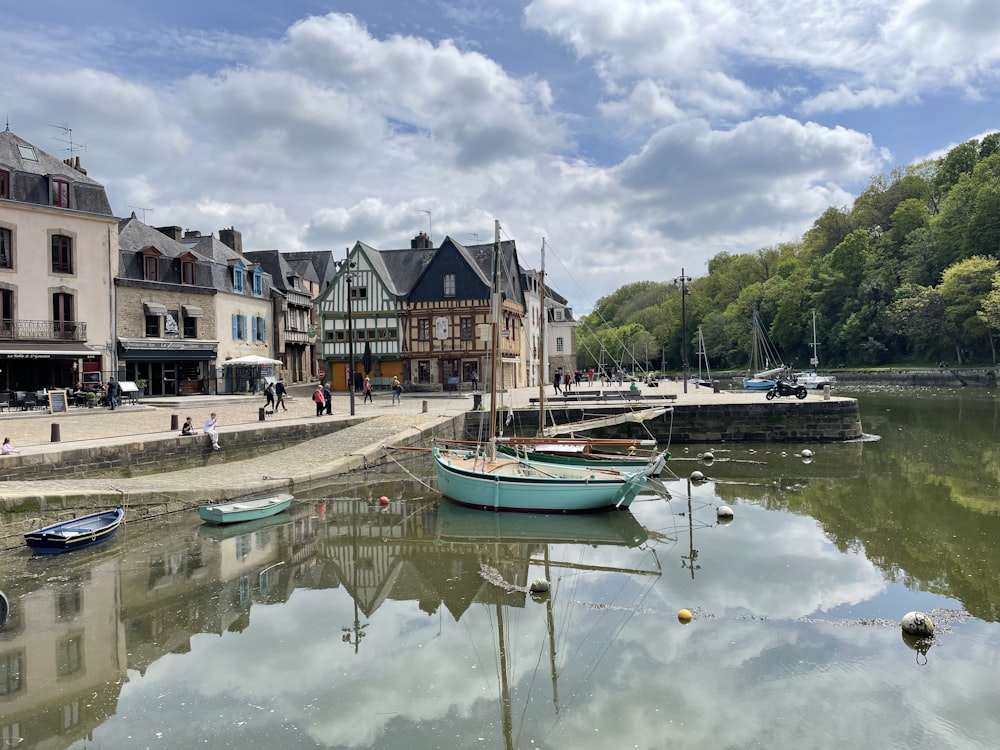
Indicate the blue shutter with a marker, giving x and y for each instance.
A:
(236, 329)
(245, 327)
(253, 322)
(263, 329)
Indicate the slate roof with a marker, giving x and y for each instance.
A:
(29, 178)
(322, 262)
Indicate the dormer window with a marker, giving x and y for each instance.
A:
(238, 272)
(150, 264)
(60, 193)
(187, 271)
(258, 282)
(4, 183)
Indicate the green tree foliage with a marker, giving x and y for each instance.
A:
(909, 272)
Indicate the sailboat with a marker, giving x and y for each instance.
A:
(763, 356)
(811, 378)
(605, 453)
(702, 379)
(483, 479)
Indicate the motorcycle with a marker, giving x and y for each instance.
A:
(786, 388)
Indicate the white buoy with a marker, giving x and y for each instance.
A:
(708, 456)
(724, 512)
(806, 453)
(539, 586)
(697, 476)
(917, 623)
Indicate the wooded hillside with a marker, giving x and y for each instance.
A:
(909, 273)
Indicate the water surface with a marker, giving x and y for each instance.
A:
(348, 624)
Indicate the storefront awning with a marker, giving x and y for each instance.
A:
(190, 311)
(154, 308)
(45, 349)
(159, 350)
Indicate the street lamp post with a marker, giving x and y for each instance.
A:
(683, 281)
(346, 265)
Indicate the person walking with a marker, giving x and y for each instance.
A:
(475, 380)
(368, 391)
(212, 430)
(328, 399)
(319, 400)
(112, 393)
(397, 390)
(556, 379)
(269, 396)
(567, 381)
(279, 393)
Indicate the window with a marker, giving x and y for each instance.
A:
(62, 314)
(6, 248)
(449, 285)
(238, 277)
(187, 271)
(466, 328)
(258, 328)
(150, 267)
(258, 282)
(7, 312)
(27, 152)
(4, 183)
(69, 656)
(152, 326)
(239, 327)
(559, 343)
(423, 330)
(359, 292)
(190, 327)
(60, 193)
(62, 254)
(557, 314)
(11, 672)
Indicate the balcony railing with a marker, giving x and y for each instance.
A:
(42, 330)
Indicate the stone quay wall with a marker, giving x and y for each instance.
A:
(778, 421)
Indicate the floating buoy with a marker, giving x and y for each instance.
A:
(684, 616)
(724, 513)
(697, 476)
(806, 453)
(539, 586)
(708, 456)
(918, 624)
(383, 500)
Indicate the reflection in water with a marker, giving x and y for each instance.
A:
(347, 624)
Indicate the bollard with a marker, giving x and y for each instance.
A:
(477, 401)
(826, 393)
(424, 409)
(174, 424)
(715, 386)
(55, 437)
(260, 414)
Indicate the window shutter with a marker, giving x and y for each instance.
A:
(236, 328)
(263, 329)
(254, 331)
(245, 326)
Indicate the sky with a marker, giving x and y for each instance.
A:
(637, 138)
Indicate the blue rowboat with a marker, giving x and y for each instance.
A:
(76, 533)
(245, 510)
(504, 483)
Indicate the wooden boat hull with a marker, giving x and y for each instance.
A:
(75, 533)
(518, 485)
(245, 510)
(651, 466)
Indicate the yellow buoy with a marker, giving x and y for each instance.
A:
(684, 615)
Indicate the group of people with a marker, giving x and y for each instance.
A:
(106, 395)
(211, 429)
(274, 395)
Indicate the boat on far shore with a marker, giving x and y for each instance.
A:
(812, 378)
(245, 510)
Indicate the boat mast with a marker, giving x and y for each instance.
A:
(494, 328)
(814, 361)
(541, 347)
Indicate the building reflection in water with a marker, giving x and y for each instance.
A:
(78, 623)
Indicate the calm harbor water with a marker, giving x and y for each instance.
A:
(345, 624)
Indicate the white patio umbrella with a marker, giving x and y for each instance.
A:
(252, 359)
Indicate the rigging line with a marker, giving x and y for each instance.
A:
(413, 476)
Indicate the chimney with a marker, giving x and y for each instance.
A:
(233, 238)
(174, 233)
(191, 234)
(421, 242)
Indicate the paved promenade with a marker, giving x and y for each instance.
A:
(313, 459)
